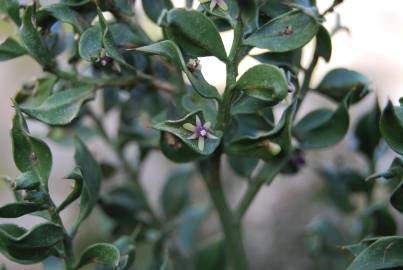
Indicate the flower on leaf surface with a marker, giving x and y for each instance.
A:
(200, 131)
(214, 3)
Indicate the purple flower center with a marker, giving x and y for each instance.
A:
(201, 131)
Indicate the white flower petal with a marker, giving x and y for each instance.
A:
(192, 137)
(189, 126)
(207, 125)
(222, 4)
(200, 143)
(198, 122)
(212, 136)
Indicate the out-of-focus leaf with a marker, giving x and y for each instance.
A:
(391, 126)
(12, 9)
(154, 8)
(63, 13)
(10, 49)
(324, 43)
(92, 176)
(175, 194)
(211, 255)
(338, 83)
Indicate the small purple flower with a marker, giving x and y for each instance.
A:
(200, 131)
(214, 3)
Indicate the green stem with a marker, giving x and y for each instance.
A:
(265, 176)
(231, 226)
(67, 241)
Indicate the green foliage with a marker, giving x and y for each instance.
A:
(164, 102)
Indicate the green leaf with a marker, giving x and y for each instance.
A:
(322, 128)
(43, 89)
(166, 49)
(30, 153)
(90, 44)
(264, 82)
(18, 209)
(267, 145)
(11, 49)
(66, 15)
(171, 51)
(195, 33)
(243, 166)
(92, 176)
(176, 128)
(324, 43)
(367, 131)
(290, 60)
(33, 41)
(42, 235)
(175, 194)
(28, 180)
(384, 253)
(285, 33)
(61, 107)
(231, 15)
(100, 253)
(29, 247)
(339, 82)
(154, 8)
(391, 126)
(12, 9)
(77, 177)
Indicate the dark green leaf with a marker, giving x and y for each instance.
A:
(367, 131)
(90, 44)
(290, 60)
(61, 107)
(10, 49)
(323, 127)
(195, 33)
(29, 247)
(101, 253)
(30, 153)
(231, 15)
(339, 82)
(92, 176)
(18, 209)
(76, 176)
(324, 43)
(127, 252)
(12, 9)
(391, 126)
(243, 166)
(154, 8)
(175, 194)
(267, 145)
(265, 82)
(383, 253)
(285, 33)
(33, 41)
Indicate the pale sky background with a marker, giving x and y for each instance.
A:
(375, 48)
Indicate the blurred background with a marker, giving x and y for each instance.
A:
(275, 226)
